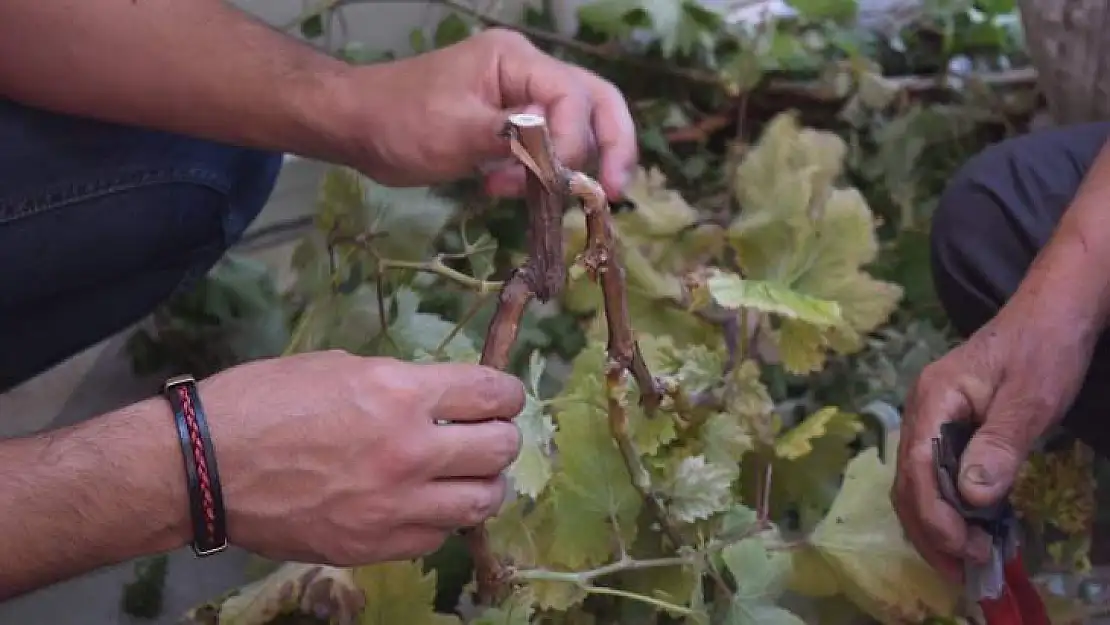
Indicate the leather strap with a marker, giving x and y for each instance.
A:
(206, 505)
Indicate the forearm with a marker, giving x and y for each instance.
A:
(95, 494)
(200, 67)
(1071, 274)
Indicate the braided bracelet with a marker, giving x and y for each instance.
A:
(206, 505)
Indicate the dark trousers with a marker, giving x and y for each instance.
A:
(101, 223)
(995, 215)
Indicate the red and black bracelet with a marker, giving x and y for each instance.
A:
(206, 504)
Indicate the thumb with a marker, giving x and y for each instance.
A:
(991, 461)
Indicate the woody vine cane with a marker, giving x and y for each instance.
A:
(543, 276)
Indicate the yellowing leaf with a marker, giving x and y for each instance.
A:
(799, 440)
(808, 238)
(399, 592)
(747, 398)
(660, 212)
(292, 588)
(862, 541)
(698, 489)
(732, 291)
(810, 575)
(809, 460)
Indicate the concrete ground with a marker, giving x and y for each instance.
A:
(98, 380)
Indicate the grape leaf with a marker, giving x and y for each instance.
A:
(591, 491)
(586, 385)
(524, 533)
(698, 489)
(797, 230)
(799, 441)
(747, 398)
(732, 291)
(293, 588)
(516, 610)
(761, 575)
(809, 460)
(416, 333)
(862, 541)
(531, 470)
(725, 440)
(399, 592)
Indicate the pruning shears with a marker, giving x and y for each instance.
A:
(1002, 586)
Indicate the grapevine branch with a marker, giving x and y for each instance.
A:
(543, 276)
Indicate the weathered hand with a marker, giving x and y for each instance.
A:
(438, 115)
(1017, 376)
(336, 459)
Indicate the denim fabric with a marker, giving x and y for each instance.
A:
(100, 223)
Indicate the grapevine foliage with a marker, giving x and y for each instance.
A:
(775, 292)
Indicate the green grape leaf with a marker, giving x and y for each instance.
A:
(421, 333)
(732, 291)
(524, 533)
(725, 440)
(592, 490)
(531, 470)
(862, 541)
(698, 489)
(399, 592)
(341, 206)
(451, 30)
(516, 610)
(586, 383)
(761, 576)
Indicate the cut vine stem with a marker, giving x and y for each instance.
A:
(548, 187)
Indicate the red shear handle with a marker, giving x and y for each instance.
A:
(1020, 603)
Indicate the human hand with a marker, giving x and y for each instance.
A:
(336, 459)
(438, 116)
(1016, 376)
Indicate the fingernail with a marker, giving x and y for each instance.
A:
(977, 474)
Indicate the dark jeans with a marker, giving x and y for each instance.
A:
(995, 215)
(100, 223)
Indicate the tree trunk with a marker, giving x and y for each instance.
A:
(1069, 44)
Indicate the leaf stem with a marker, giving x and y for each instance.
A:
(437, 267)
(659, 603)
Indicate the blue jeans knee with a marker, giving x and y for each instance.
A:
(100, 223)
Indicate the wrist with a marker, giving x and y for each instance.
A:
(339, 112)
